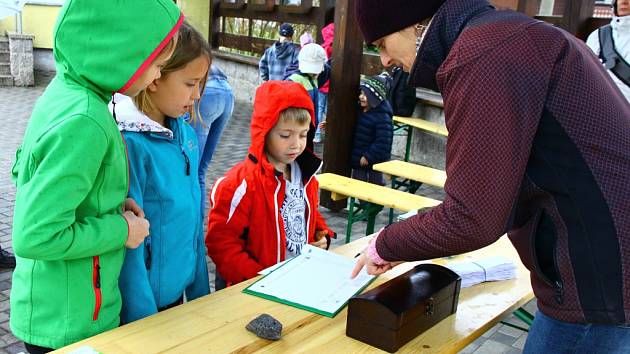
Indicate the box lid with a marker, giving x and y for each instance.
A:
(402, 299)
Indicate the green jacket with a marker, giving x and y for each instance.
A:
(72, 176)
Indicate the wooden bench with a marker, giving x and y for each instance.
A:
(409, 177)
(377, 197)
(408, 124)
(412, 172)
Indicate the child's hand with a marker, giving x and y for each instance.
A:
(131, 205)
(363, 162)
(320, 239)
(138, 229)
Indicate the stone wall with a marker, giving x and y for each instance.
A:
(242, 73)
(426, 148)
(21, 53)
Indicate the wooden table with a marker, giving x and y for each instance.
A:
(408, 124)
(376, 197)
(216, 323)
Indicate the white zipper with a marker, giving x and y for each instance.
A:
(275, 204)
(308, 205)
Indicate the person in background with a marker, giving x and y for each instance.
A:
(215, 108)
(279, 56)
(328, 33)
(306, 38)
(311, 63)
(612, 44)
(401, 96)
(373, 132)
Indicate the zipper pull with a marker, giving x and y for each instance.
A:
(559, 292)
(187, 163)
(147, 260)
(98, 276)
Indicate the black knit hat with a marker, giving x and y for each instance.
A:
(375, 89)
(378, 18)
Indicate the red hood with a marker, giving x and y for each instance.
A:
(328, 33)
(273, 97)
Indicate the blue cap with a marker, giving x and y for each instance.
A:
(286, 30)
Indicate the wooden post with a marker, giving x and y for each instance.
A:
(215, 22)
(576, 16)
(528, 7)
(344, 93)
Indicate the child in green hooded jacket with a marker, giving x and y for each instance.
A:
(72, 220)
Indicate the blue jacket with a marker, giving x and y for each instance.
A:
(373, 135)
(276, 59)
(163, 181)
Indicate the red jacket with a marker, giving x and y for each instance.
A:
(328, 33)
(245, 227)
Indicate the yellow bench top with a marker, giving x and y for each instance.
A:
(412, 171)
(423, 124)
(344, 187)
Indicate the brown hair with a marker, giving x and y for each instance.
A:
(297, 115)
(190, 46)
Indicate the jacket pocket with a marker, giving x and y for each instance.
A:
(96, 284)
(543, 240)
(15, 169)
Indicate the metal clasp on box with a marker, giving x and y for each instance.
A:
(429, 309)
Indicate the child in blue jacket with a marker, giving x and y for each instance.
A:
(163, 159)
(373, 132)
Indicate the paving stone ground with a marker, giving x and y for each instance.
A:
(16, 105)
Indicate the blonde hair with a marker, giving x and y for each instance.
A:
(190, 46)
(297, 115)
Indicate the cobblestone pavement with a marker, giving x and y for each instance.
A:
(16, 105)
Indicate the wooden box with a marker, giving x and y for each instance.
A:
(392, 314)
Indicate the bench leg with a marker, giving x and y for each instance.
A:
(524, 316)
(391, 210)
(371, 211)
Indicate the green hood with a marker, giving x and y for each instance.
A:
(71, 173)
(105, 45)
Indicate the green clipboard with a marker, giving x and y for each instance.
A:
(293, 266)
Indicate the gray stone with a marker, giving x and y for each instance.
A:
(21, 54)
(265, 327)
(510, 331)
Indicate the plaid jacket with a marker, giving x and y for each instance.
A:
(276, 59)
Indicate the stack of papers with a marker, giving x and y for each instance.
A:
(489, 269)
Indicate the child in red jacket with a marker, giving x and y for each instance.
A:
(265, 209)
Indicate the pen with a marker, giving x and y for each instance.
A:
(358, 254)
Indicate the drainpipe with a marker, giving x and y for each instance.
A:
(18, 22)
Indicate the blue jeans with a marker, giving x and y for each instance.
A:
(216, 107)
(322, 108)
(548, 335)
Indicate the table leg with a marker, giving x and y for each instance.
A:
(350, 219)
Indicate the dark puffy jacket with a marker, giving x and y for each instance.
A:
(373, 135)
(402, 97)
